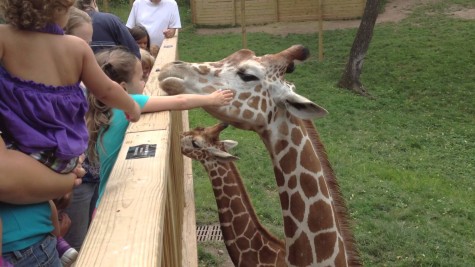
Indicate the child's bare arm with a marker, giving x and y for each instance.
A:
(188, 101)
(23, 180)
(106, 90)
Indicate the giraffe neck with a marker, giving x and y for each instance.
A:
(310, 217)
(247, 241)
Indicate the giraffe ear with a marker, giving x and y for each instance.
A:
(222, 155)
(301, 107)
(173, 85)
(228, 144)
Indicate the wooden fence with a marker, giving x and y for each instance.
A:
(228, 12)
(147, 214)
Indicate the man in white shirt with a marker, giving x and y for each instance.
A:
(160, 17)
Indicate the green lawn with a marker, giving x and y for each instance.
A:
(405, 160)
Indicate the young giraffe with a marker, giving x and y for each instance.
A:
(314, 212)
(249, 244)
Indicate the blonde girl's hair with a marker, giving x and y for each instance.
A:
(31, 14)
(146, 57)
(77, 17)
(118, 64)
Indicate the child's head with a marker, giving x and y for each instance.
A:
(123, 67)
(79, 24)
(147, 63)
(141, 36)
(35, 14)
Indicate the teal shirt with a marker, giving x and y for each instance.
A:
(112, 141)
(24, 225)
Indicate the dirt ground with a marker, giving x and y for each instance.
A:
(395, 11)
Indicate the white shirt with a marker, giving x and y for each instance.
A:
(155, 18)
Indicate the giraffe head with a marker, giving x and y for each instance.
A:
(261, 91)
(203, 144)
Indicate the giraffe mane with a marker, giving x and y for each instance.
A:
(340, 203)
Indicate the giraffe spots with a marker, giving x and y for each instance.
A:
(258, 88)
(203, 69)
(283, 129)
(267, 256)
(290, 228)
(298, 256)
(222, 171)
(263, 105)
(292, 183)
(240, 224)
(253, 102)
(341, 257)
(288, 162)
(284, 200)
(322, 218)
(325, 245)
(247, 114)
(310, 163)
(217, 72)
(209, 89)
(256, 240)
(216, 182)
(309, 185)
(244, 96)
(252, 259)
(202, 80)
(279, 177)
(228, 234)
(237, 104)
(297, 207)
(260, 119)
(280, 146)
(237, 206)
(296, 136)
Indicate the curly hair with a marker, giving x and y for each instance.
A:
(118, 64)
(31, 14)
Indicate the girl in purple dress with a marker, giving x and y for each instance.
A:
(42, 109)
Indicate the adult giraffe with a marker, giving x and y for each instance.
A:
(248, 242)
(314, 213)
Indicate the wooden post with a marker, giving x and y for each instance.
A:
(320, 30)
(243, 23)
(146, 216)
(276, 10)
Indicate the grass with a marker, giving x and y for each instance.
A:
(405, 160)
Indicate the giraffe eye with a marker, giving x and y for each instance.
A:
(194, 144)
(247, 77)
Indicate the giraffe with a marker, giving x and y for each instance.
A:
(247, 241)
(316, 224)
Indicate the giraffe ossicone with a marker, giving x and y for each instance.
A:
(314, 212)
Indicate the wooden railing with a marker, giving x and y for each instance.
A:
(147, 214)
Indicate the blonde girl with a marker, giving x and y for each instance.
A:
(147, 63)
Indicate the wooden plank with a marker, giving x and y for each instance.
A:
(139, 221)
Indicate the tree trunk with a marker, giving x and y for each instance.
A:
(351, 76)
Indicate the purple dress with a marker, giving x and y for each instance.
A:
(44, 121)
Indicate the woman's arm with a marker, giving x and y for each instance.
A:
(187, 101)
(23, 180)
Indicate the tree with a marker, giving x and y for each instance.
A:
(351, 76)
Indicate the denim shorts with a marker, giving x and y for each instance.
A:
(41, 254)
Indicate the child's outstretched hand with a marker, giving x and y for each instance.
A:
(134, 115)
(222, 97)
